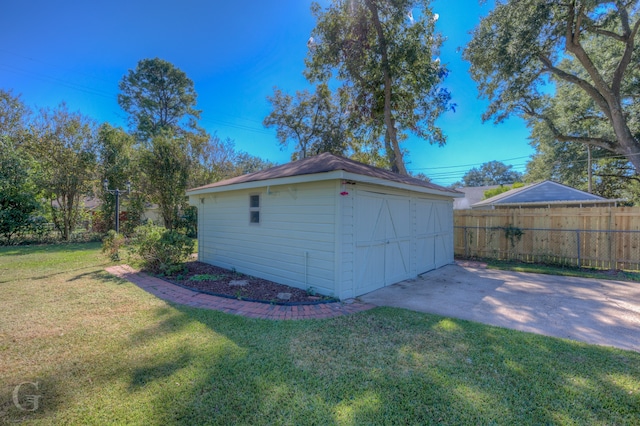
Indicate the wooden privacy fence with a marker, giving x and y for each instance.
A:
(597, 237)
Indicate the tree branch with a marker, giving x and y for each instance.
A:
(628, 52)
(583, 84)
(610, 34)
(573, 45)
(613, 175)
(599, 142)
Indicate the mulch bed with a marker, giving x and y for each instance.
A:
(218, 281)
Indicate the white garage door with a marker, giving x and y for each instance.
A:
(434, 234)
(383, 240)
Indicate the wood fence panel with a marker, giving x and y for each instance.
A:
(599, 237)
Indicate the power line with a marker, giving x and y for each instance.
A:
(467, 165)
(64, 83)
(52, 65)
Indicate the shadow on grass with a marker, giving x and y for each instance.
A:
(142, 375)
(100, 275)
(387, 366)
(93, 274)
(122, 356)
(31, 397)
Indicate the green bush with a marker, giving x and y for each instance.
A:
(112, 243)
(189, 222)
(160, 251)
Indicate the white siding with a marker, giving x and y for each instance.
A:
(309, 233)
(345, 240)
(413, 246)
(296, 234)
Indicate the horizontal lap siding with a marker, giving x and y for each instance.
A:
(346, 242)
(293, 220)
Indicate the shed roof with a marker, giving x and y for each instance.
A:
(323, 165)
(545, 192)
(472, 195)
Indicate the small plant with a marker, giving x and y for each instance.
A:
(513, 234)
(111, 245)
(207, 277)
(311, 291)
(239, 294)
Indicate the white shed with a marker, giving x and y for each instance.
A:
(329, 223)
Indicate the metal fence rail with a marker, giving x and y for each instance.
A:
(605, 249)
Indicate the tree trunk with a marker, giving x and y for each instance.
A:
(394, 154)
(628, 143)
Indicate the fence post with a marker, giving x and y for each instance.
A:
(612, 244)
(578, 242)
(466, 245)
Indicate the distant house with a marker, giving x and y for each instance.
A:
(341, 227)
(544, 194)
(472, 195)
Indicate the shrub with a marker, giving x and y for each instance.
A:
(189, 222)
(160, 251)
(111, 245)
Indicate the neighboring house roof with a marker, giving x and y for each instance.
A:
(545, 193)
(324, 167)
(472, 194)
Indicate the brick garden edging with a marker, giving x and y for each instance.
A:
(177, 294)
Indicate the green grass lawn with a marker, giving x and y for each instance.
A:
(102, 351)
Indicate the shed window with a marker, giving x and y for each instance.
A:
(254, 208)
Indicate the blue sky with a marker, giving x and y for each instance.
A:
(77, 52)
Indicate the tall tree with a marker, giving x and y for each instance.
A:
(386, 62)
(218, 159)
(314, 121)
(14, 117)
(119, 164)
(583, 46)
(166, 165)
(64, 144)
(19, 196)
(160, 100)
(491, 173)
(158, 96)
(246, 163)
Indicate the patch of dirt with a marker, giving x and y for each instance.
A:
(212, 279)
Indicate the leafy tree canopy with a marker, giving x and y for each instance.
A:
(316, 122)
(158, 96)
(570, 64)
(500, 189)
(567, 163)
(491, 173)
(18, 193)
(65, 146)
(14, 116)
(383, 53)
(119, 164)
(165, 164)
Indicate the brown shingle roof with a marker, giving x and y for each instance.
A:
(325, 163)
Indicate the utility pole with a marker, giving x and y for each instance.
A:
(117, 193)
(589, 173)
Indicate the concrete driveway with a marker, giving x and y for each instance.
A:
(595, 311)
